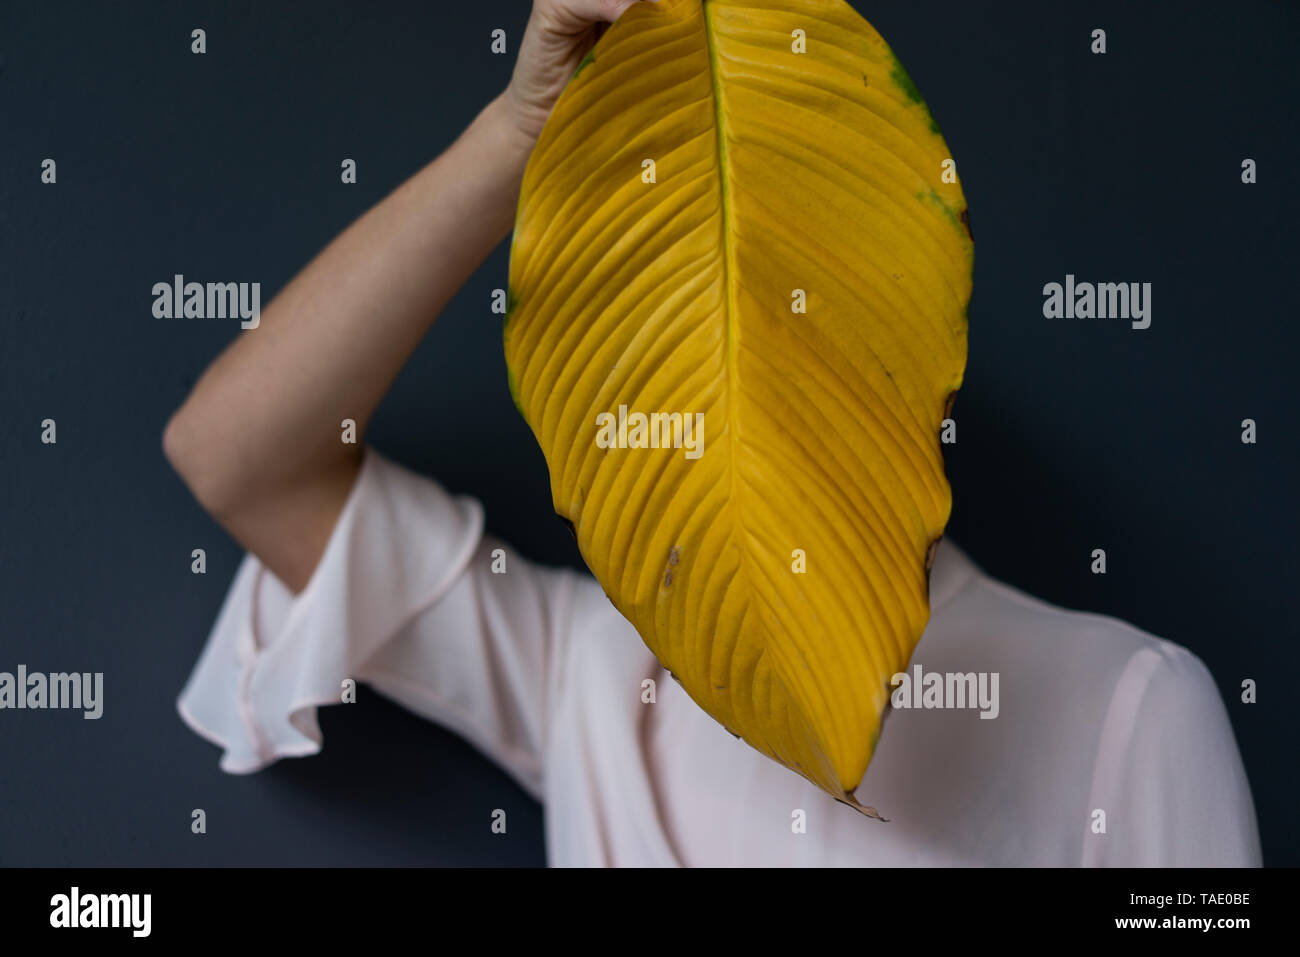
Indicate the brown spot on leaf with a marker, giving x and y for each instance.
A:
(674, 556)
(947, 406)
(965, 221)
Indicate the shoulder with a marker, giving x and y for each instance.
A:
(1135, 722)
(1092, 651)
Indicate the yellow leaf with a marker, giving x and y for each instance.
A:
(715, 223)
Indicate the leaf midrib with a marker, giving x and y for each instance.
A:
(728, 250)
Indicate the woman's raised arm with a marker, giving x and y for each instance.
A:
(258, 440)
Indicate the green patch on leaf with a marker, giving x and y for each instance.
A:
(511, 302)
(589, 59)
(514, 389)
(938, 201)
(904, 82)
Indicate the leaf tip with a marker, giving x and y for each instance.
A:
(864, 809)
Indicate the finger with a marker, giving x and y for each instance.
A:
(583, 13)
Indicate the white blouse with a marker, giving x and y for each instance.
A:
(1110, 746)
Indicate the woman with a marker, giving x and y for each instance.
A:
(1085, 741)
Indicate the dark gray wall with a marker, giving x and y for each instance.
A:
(1072, 435)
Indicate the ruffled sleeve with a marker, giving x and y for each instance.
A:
(409, 597)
